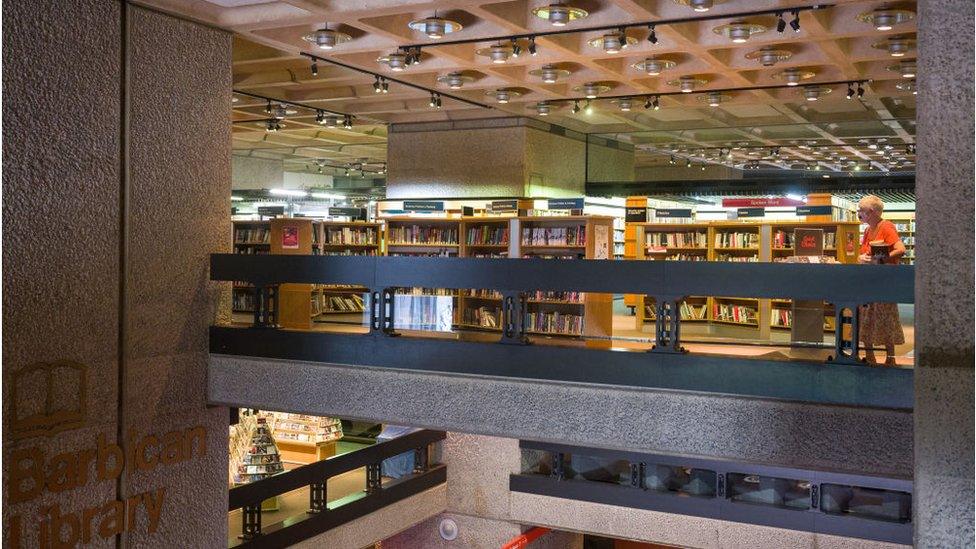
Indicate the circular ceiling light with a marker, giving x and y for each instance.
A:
(906, 68)
(559, 14)
(687, 84)
(613, 42)
(714, 99)
(897, 46)
(503, 95)
(813, 93)
(884, 19)
(549, 73)
(739, 31)
(326, 39)
(794, 76)
(591, 90)
(653, 66)
(624, 104)
(769, 55)
(455, 80)
(698, 5)
(498, 54)
(435, 27)
(543, 108)
(397, 61)
(908, 86)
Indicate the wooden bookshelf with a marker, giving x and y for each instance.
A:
(422, 237)
(343, 303)
(248, 237)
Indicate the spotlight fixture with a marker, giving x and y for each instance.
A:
(315, 68)
(884, 19)
(613, 42)
(397, 61)
(433, 100)
(739, 31)
(769, 55)
(588, 109)
(625, 104)
(813, 93)
(897, 46)
(860, 91)
(652, 35)
(532, 48)
(647, 103)
(795, 23)
(435, 27)
(347, 122)
(503, 95)
(272, 126)
(908, 86)
(703, 166)
(377, 85)
(850, 91)
(498, 54)
(906, 68)
(386, 85)
(793, 77)
(559, 14)
(455, 80)
(576, 107)
(700, 6)
(326, 39)
(542, 108)
(671, 160)
(714, 99)
(688, 163)
(591, 90)
(413, 56)
(687, 84)
(549, 73)
(656, 103)
(780, 22)
(653, 66)
(331, 121)
(516, 48)
(320, 117)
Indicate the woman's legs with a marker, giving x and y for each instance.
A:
(869, 352)
(890, 354)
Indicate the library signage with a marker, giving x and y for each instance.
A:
(760, 202)
(499, 206)
(423, 205)
(814, 210)
(271, 210)
(635, 215)
(355, 213)
(672, 212)
(751, 212)
(565, 203)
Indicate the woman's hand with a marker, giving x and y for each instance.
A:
(865, 258)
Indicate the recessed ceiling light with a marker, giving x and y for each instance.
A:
(653, 66)
(498, 54)
(897, 46)
(908, 86)
(613, 42)
(624, 104)
(813, 93)
(700, 6)
(543, 108)
(455, 80)
(714, 99)
(559, 14)
(906, 68)
(884, 19)
(549, 73)
(769, 55)
(591, 90)
(326, 39)
(397, 61)
(503, 95)
(435, 27)
(687, 84)
(794, 76)
(739, 31)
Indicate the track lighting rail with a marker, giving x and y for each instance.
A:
(654, 95)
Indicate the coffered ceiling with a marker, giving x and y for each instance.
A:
(833, 45)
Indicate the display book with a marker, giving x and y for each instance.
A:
(736, 242)
(905, 225)
(343, 238)
(252, 450)
(303, 428)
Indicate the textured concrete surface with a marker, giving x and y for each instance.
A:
(801, 435)
(668, 529)
(475, 533)
(179, 187)
(256, 173)
(384, 523)
(608, 163)
(478, 470)
(61, 173)
(944, 388)
(555, 165)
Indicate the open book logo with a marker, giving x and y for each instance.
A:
(48, 397)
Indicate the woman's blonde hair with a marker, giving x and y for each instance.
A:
(873, 202)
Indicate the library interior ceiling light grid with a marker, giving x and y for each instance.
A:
(834, 44)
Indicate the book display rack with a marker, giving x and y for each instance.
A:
(303, 438)
(249, 237)
(253, 452)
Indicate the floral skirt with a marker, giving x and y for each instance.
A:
(880, 324)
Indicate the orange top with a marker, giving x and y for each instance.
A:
(886, 231)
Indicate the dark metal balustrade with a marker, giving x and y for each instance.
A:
(844, 379)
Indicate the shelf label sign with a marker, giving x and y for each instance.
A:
(423, 205)
(271, 210)
(565, 204)
(672, 212)
(760, 202)
(751, 212)
(498, 206)
(355, 213)
(814, 210)
(636, 215)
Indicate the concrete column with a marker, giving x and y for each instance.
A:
(944, 277)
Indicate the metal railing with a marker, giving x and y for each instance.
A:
(851, 505)
(667, 282)
(323, 516)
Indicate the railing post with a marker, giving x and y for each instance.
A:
(846, 349)
(513, 319)
(317, 497)
(382, 308)
(558, 466)
(251, 521)
(265, 306)
(667, 325)
(421, 459)
(388, 309)
(374, 478)
(637, 472)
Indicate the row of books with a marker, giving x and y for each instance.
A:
(737, 258)
(686, 311)
(439, 253)
(360, 251)
(416, 234)
(734, 313)
(678, 240)
(250, 250)
(555, 323)
(782, 318)
(482, 293)
(243, 302)
(489, 255)
(572, 255)
(305, 428)
(736, 239)
(486, 317)
(487, 234)
(252, 236)
(349, 303)
(659, 254)
(554, 236)
(574, 297)
(785, 239)
(350, 235)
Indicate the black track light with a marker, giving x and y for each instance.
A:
(433, 101)
(648, 104)
(652, 37)
(688, 163)
(860, 91)
(657, 103)
(703, 166)
(780, 22)
(671, 160)
(795, 23)
(516, 49)
(377, 85)
(320, 117)
(347, 122)
(438, 102)
(315, 68)
(532, 49)
(267, 108)
(850, 91)
(576, 107)
(386, 86)
(622, 31)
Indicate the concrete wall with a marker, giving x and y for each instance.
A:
(944, 278)
(555, 165)
(256, 173)
(295, 180)
(111, 220)
(680, 172)
(607, 163)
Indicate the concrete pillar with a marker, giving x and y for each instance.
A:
(116, 186)
(944, 277)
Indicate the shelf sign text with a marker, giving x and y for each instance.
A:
(355, 213)
(814, 210)
(565, 204)
(636, 215)
(423, 205)
(498, 206)
(751, 212)
(672, 212)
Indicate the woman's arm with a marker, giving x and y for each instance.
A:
(892, 238)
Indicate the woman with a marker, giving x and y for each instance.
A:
(880, 324)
